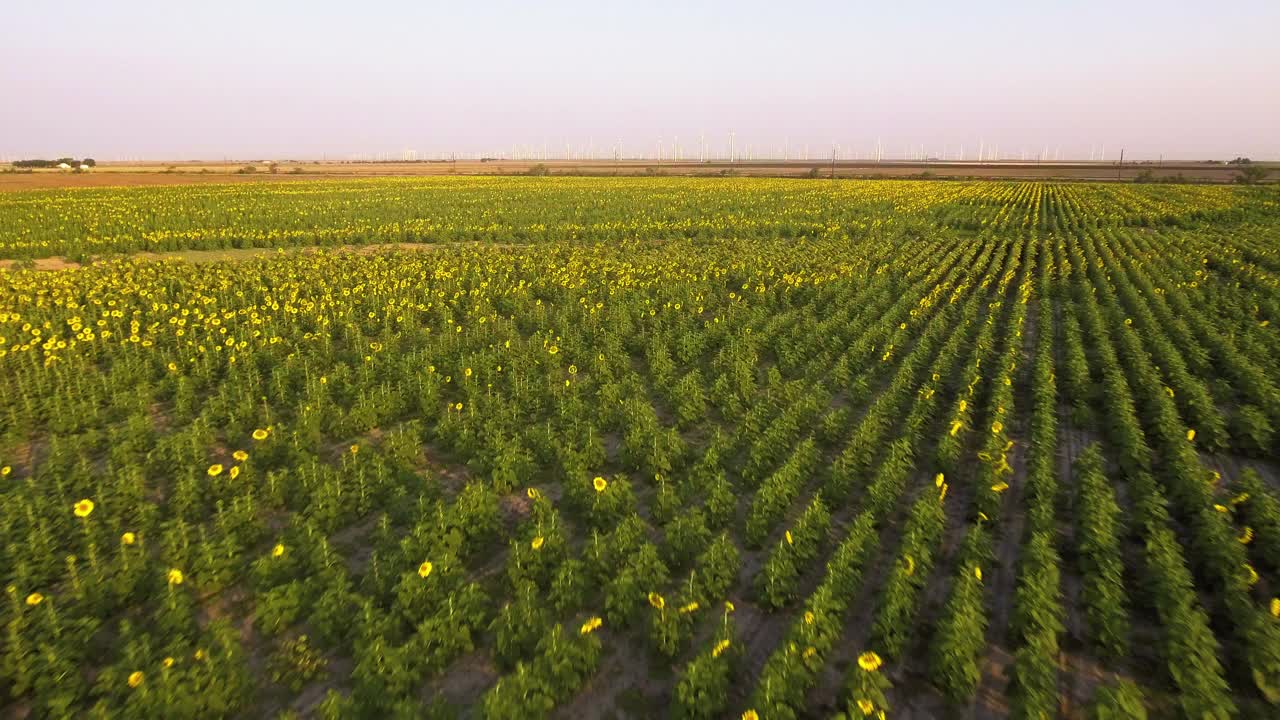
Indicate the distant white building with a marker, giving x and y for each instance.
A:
(64, 167)
(84, 168)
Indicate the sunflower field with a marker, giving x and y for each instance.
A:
(499, 447)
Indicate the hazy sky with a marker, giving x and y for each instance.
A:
(277, 78)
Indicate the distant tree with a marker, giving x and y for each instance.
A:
(1251, 175)
(538, 169)
(1240, 161)
(90, 162)
(1146, 176)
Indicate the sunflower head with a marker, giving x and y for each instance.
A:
(657, 600)
(240, 455)
(599, 484)
(135, 678)
(425, 569)
(278, 550)
(35, 599)
(869, 661)
(175, 577)
(590, 626)
(259, 434)
(866, 706)
(536, 544)
(128, 539)
(215, 470)
(84, 508)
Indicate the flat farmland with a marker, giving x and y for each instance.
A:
(197, 172)
(522, 447)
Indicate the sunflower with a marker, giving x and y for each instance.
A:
(790, 541)
(999, 487)
(808, 617)
(1246, 537)
(599, 484)
(234, 472)
(425, 569)
(167, 662)
(977, 572)
(869, 661)
(35, 599)
(939, 479)
(591, 625)
(553, 349)
(866, 706)
(533, 493)
(1191, 435)
(128, 538)
(259, 434)
(657, 601)
(1253, 574)
(278, 550)
(691, 607)
(135, 678)
(84, 508)
(215, 470)
(537, 543)
(751, 715)
(1275, 607)
(240, 455)
(175, 576)
(997, 427)
(719, 649)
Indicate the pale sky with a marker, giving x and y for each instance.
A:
(305, 79)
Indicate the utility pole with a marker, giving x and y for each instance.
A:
(1120, 166)
(833, 161)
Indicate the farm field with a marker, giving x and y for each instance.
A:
(195, 172)
(640, 447)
